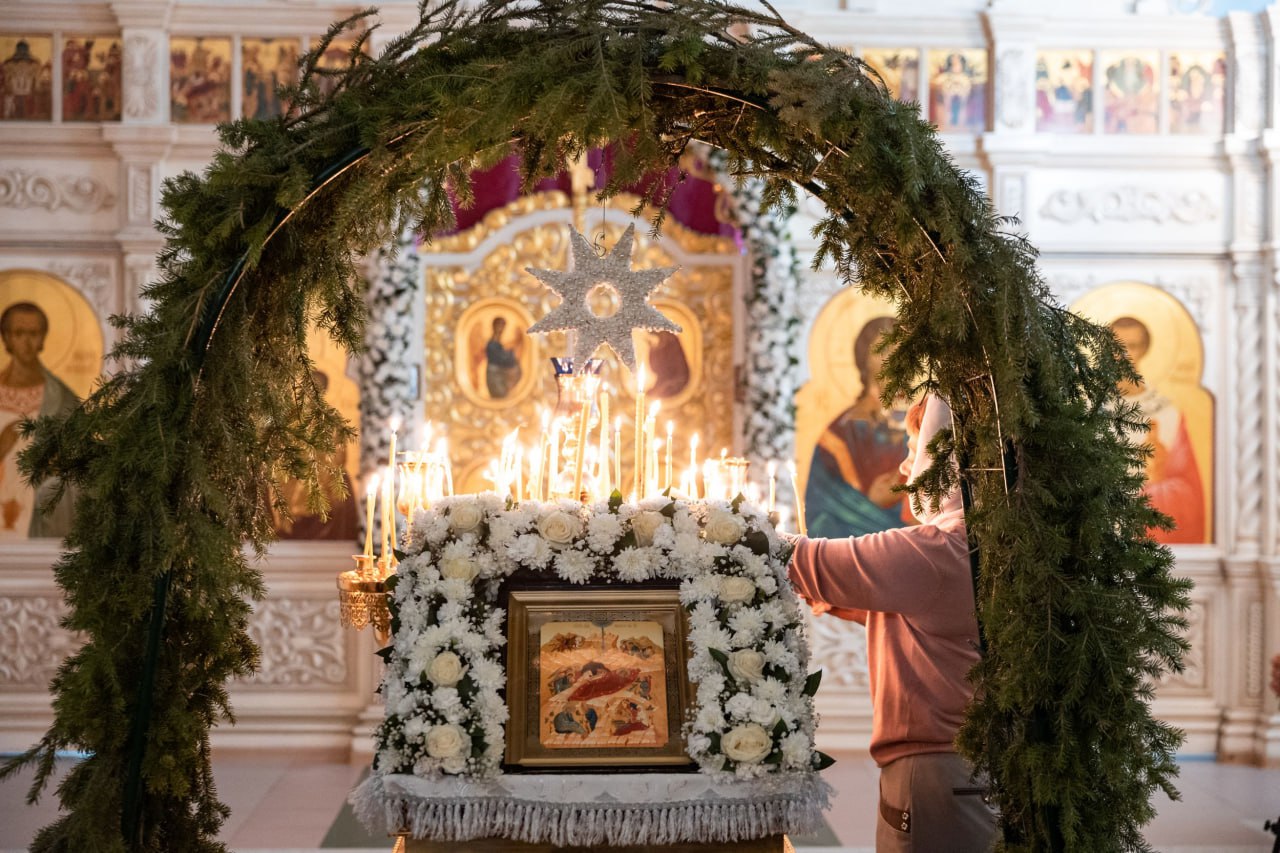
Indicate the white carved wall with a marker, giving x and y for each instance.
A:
(1193, 216)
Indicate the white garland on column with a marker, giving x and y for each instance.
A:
(390, 370)
(771, 371)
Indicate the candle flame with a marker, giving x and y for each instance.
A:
(772, 467)
(372, 488)
(395, 423)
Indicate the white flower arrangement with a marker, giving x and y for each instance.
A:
(752, 713)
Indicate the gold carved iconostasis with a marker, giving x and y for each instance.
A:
(485, 376)
(848, 446)
(52, 356)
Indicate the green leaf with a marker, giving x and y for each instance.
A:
(811, 683)
(615, 501)
(821, 761)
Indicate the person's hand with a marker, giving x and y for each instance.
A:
(881, 490)
(790, 538)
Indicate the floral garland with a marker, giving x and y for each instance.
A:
(753, 713)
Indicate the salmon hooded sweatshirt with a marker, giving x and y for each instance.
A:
(912, 588)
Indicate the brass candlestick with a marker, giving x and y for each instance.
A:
(362, 596)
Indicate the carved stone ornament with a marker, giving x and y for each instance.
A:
(839, 649)
(301, 642)
(94, 279)
(34, 642)
(1130, 204)
(1013, 83)
(141, 77)
(22, 189)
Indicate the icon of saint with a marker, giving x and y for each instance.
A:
(28, 390)
(668, 372)
(855, 464)
(502, 362)
(1173, 477)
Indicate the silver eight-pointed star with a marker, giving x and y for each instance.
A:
(614, 270)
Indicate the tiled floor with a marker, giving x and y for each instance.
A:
(290, 803)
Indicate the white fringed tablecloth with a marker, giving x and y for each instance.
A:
(590, 809)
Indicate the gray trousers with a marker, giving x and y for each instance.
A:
(931, 804)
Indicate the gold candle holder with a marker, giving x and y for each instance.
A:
(362, 596)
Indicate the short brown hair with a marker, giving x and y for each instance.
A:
(23, 307)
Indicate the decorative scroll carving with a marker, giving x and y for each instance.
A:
(141, 74)
(139, 194)
(301, 642)
(1193, 675)
(839, 649)
(22, 189)
(94, 279)
(1013, 87)
(33, 640)
(1130, 204)
(1253, 656)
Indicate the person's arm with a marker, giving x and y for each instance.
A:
(895, 571)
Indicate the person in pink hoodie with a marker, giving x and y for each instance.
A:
(912, 589)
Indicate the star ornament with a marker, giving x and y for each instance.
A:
(613, 270)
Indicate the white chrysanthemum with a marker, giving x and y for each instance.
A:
(710, 637)
(530, 549)
(415, 727)
(699, 589)
(634, 564)
(739, 706)
(779, 655)
(603, 532)
(430, 527)
(767, 583)
(488, 673)
(748, 626)
(796, 750)
(712, 685)
(683, 521)
(710, 718)
(763, 712)
(575, 566)
(446, 700)
(697, 743)
(770, 690)
(502, 529)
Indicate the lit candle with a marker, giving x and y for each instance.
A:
(671, 431)
(371, 497)
(553, 465)
(442, 450)
(602, 458)
(693, 465)
(538, 469)
(395, 428)
(638, 451)
(617, 453)
(388, 520)
(584, 418)
(795, 487)
(773, 484)
(519, 472)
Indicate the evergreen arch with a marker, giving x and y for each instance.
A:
(176, 454)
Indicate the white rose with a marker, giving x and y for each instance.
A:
(645, 524)
(724, 527)
(450, 741)
(746, 666)
(736, 590)
(465, 517)
(746, 744)
(458, 568)
(446, 670)
(559, 527)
